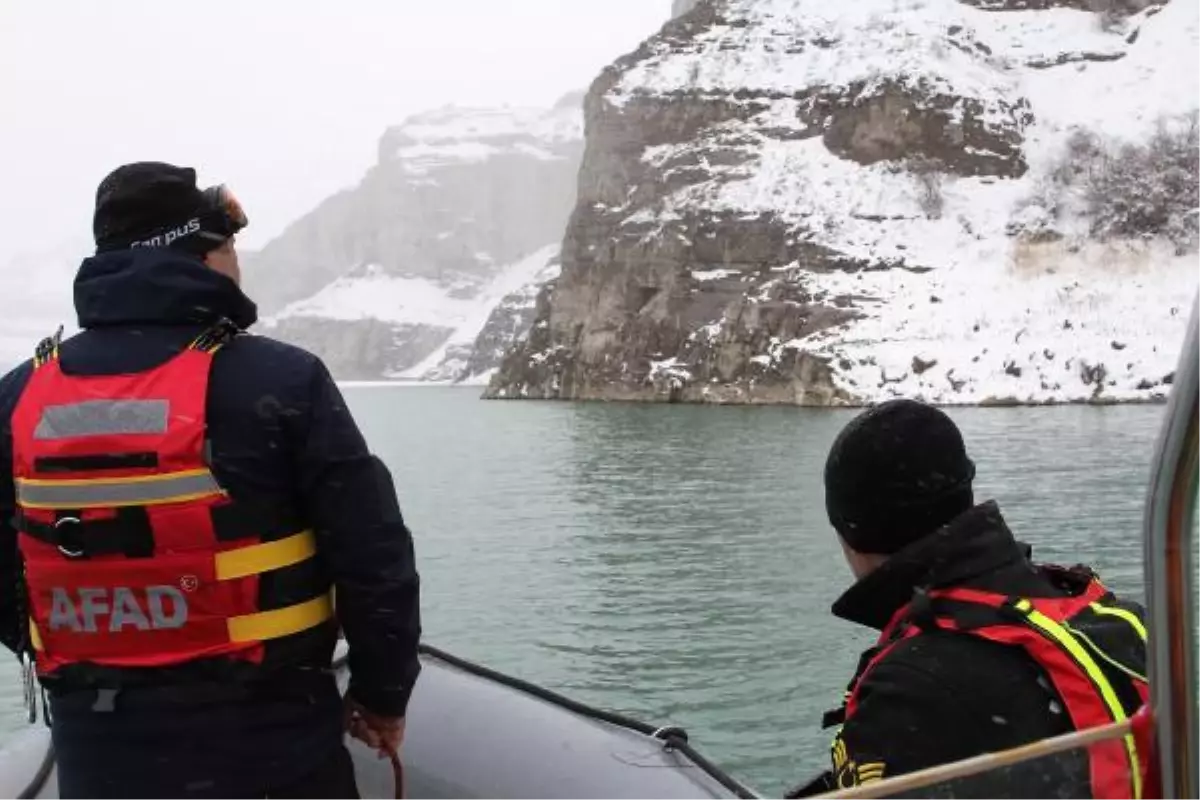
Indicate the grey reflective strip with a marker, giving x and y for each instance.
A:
(102, 417)
(115, 493)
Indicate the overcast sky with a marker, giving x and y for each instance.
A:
(282, 99)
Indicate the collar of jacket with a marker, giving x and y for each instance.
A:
(976, 543)
(156, 286)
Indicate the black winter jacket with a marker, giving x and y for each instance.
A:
(280, 432)
(941, 697)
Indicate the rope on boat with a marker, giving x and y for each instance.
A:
(41, 776)
(673, 738)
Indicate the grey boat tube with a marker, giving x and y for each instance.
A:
(473, 732)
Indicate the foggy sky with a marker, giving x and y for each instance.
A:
(283, 99)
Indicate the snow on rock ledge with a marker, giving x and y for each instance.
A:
(470, 135)
(797, 201)
(409, 264)
(499, 317)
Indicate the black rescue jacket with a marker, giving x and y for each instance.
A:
(279, 434)
(943, 696)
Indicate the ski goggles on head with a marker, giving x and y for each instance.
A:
(222, 201)
(218, 218)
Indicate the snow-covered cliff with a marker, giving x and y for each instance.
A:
(809, 202)
(412, 261)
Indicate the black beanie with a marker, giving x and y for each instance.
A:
(896, 473)
(151, 203)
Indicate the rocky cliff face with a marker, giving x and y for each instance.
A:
(797, 201)
(381, 276)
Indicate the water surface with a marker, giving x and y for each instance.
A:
(675, 563)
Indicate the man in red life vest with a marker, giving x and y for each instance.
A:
(980, 649)
(180, 505)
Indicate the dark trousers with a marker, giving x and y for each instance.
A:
(334, 778)
(145, 744)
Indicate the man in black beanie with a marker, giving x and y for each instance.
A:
(970, 656)
(178, 503)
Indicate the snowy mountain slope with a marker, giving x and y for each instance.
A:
(444, 321)
(833, 203)
(371, 293)
(380, 279)
(454, 135)
(510, 294)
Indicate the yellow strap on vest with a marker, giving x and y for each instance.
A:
(265, 557)
(281, 621)
(1080, 655)
(258, 627)
(254, 560)
(1128, 616)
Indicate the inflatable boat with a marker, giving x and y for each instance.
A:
(461, 741)
(473, 732)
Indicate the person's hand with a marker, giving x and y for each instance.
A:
(382, 734)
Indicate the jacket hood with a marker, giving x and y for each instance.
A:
(975, 549)
(156, 286)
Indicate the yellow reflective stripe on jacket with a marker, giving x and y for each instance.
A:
(280, 621)
(847, 773)
(1081, 657)
(871, 771)
(35, 637)
(1121, 613)
(265, 557)
(143, 490)
(840, 756)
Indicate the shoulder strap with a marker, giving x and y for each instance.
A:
(215, 336)
(47, 349)
(964, 610)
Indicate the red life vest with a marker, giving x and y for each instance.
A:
(135, 557)
(1061, 635)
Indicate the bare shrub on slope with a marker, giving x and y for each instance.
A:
(1148, 189)
(1121, 190)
